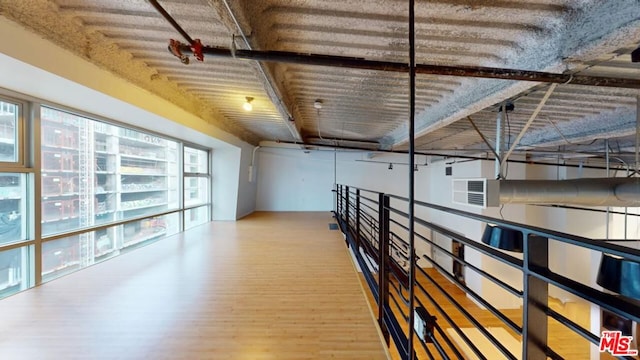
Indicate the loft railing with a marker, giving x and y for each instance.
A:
(447, 326)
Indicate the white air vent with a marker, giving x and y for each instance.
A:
(480, 193)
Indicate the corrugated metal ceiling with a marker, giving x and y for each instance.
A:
(129, 38)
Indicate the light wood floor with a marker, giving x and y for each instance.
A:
(271, 286)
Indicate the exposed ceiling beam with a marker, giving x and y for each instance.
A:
(233, 21)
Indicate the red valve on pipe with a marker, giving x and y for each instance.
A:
(174, 48)
(196, 47)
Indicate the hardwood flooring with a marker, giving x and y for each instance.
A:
(271, 286)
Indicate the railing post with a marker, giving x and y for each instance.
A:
(383, 261)
(346, 207)
(339, 201)
(357, 238)
(535, 299)
(335, 197)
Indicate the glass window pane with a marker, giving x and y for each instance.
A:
(196, 191)
(60, 257)
(147, 230)
(196, 160)
(14, 272)
(12, 208)
(66, 255)
(196, 216)
(8, 132)
(95, 173)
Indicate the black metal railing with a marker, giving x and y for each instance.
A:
(376, 229)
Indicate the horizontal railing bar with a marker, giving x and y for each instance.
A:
(436, 326)
(628, 253)
(369, 199)
(373, 286)
(509, 288)
(469, 317)
(398, 306)
(362, 204)
(454, 326)
(494, 279)
(405, 299)
(396, 333)
(515, 327)
(487, 250)
(400, 249)
(361, 190)
(552, 354)
(448, 341)
(436, 343)
(607, 301)
(573, 326)
(399, 224)
(480, 247)
(363, 234)
(426, 350)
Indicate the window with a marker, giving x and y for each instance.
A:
(14, 270)
(15, 260)
(95, 173)
(196, 216)
(196, 191)
(105, 190)
(13, 215)
(9, 135)
(196, 187)
(196, 160)
(66, 255)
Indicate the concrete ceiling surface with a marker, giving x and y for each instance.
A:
(592, 37)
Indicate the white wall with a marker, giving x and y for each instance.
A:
(63, 78)
(284, 184)
(247, 189)
(294, 180)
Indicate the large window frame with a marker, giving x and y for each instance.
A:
(29, 166)
(201, 176)
(18, 255)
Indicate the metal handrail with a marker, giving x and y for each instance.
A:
(373, 233)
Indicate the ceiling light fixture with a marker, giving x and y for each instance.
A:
(390, 166)
(317, 104)
(619, 275)
(247, 105)
(503, 238)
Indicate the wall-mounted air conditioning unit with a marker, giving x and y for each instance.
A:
(480, 193)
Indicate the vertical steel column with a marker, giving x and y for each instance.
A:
(383, 262)
(606, 156)
(499, 130)
(357, 237)
(346, 207)
(335, 173)
(340, 210)
(412, 148)
(535, 300)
